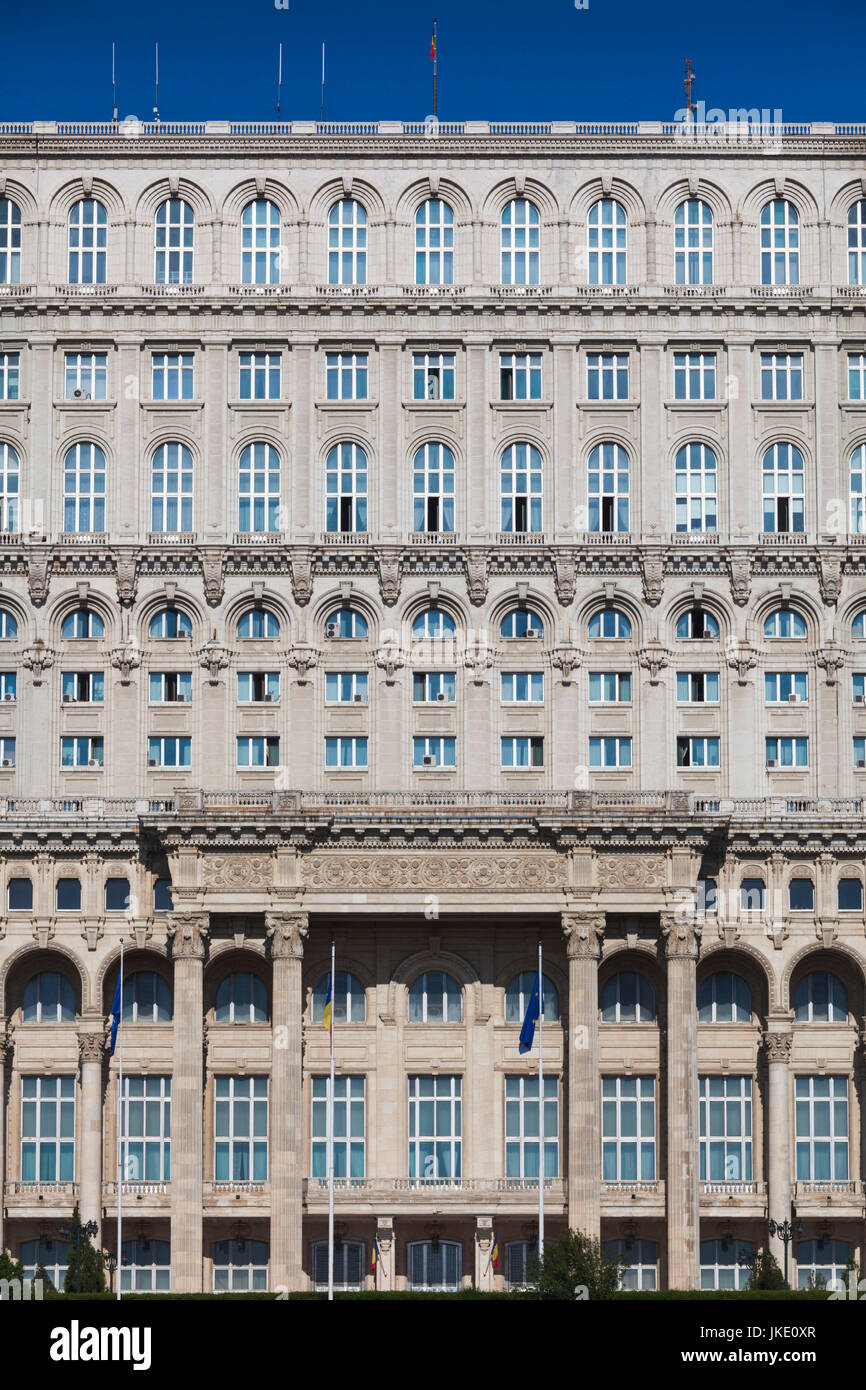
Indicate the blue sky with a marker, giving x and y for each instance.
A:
(618, 59)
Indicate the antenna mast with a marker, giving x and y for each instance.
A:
(688, 83)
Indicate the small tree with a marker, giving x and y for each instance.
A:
(41, 1272)
(83, 1257)
(766, 1273)
(574, 1260)
(9, 1268)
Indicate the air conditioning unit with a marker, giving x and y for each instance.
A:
(440, 696)
(7, 762)
(330, 629)
(152, 762)
(861, 762)
(708, 636)
(359, 699)
(534, 634)
(66, 699)
(79, 394)
(428, 760)
(268, 699)
(9, 695)
(771, 762)
(793, 699)
(94, 762)
(860, 699)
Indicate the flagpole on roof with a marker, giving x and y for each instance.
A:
(120, 1127)
(540, 1107)
(331, 1142)
(435, 64)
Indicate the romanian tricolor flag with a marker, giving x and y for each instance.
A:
(494, 1252)
(328, 1015)
(374, 1256)
(433, 48)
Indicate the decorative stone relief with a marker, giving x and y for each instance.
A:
(91, 1047)
(740, 567)
(831, 658)
(476, 575)
(125, 659)
(389, 576)
(631, 870)
(301, 563)
(566, 659)
(37, 659)
(237, 872)
(516, 873)
(682, 938)
(741, 657)
(564, 573)
(830, 578)
(653, 576)
(126, 572)
(187, 932)
(778, 1047)
(214, 657)
(285, 932)
(390, 659)
(303, 658)
(583, 932)
(653, 657)
(38, 577)
(213, 575)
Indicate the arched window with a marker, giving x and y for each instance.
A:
(856, 243)
(48, 998)
(348, 1265)
(260, 243)
(433, 489)
(520, 623)
(606, 231)
(857, 491)
(433, 622)
(696, 622)
(145, 1266)
(347, 243)
(170, 622)
(519, 993)
(780, 243)
(784, 485)
(174, 239)
(724, 998)
(520, 488)
(519, 242)
(435, 1265)
(240, 1266)
(82, 623)
(349, 1003)
(259, 489)
(9, 487)
(241, 998)
(88, 233)
(434, 243)
(640, 1259)
(84, 489)
(752, 893)
(820, 998)
(346, 622)
(823, 1263)
(19, 895)
(725, 1264)
(785, 622)
(146, 998)
(10, 242)
(608, 486)
(609, 622)
(696, 486)
(258, 622)
(435, 998)
(9, 624)
(693, 243)
(628, 997)
(346, 488)
(171, 489)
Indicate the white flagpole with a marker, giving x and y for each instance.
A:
(331, 1138)
(540, 1107)
(120, 1127)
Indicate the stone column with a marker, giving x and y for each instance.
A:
(681, 949)
(5, 1047)
(188, 933)
(484, 1272)
(583, 932)
(286, 932)
(91, 1046)
(778, 1052)
(385, 1272)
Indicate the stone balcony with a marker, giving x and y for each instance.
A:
(733, 1199)
(251, 1198)
(831, 1198)
(139, 1198)
(643, 1199)
(35, 1199)
(455, 1195)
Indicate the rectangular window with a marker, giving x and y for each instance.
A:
(47, 1128)
(787, 752)
(697, 752)
(346, 376)
(81, 752)
(435, 1127)
(858, 688)
(10, 376)
(349, 1126)
(433, 376)
(86, 376)
(522, 687)
(698, 687)
(8, 686)
(521, 752)
(523, 1127)
(821, 1125)
(169, 752)
(258, 752)
(170, 687)
(781, 376)
(694, 376)
(434, 687)
(7, 752)
(345, 752)
(172, 376)
(780, 687)
(607, 376)
(241, 1128)
(346, 687)
(609, 687)
(434, 752)
(82, 687)
(628, 1128)
(146, 1129)
(610, 752)
(859, 752)
(260, 374)
(258, 687)
(725, 1105)
(520, 376)
(857, 376)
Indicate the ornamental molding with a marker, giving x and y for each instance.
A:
(303, 658)
(654, 657)
(742, 658)
(476, 575)
(565, 576)
(126, 572)
(213, 563)
(583, 932)
(682, 939)
(236, 873)
(91, 1047)
(389, 576)
(831, 657)
(739, 564)
(566, 659)
(285, 932)
(38, 576)
(301, 565)
(529, 872)
(631, 871)
(37, 659)
(214, 657)
(653, 576)
(187, 933)
(125, 659)
(778, 1047)
(830, 577)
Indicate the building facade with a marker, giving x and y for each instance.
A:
(437, 539)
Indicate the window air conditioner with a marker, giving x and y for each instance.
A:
(440, 696)
(860, 699)
(7, 762)
(66, 699)
(268, 699)
(9, 695)
(861, 762)
(708, 635)
(152, 762)
(330, 629)
(359, 699)
(93, 762)
(428, 760)
(534, 634)
(793, 699)
(771, 762)
(79, 394)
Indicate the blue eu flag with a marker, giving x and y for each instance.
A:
(115, 1016)
(527, 1032)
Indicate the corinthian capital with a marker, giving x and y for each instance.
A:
(583, 932)
(91, 1046)
(286, 932)
(778, 1046)
(188, 933)
(682, 937)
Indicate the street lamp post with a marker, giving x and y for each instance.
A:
(786, 1230)
(109, 1262)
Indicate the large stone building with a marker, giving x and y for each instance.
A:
(436, 538)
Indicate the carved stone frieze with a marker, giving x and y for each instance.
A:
(529, 872)
(631, 870)
(237, 872)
